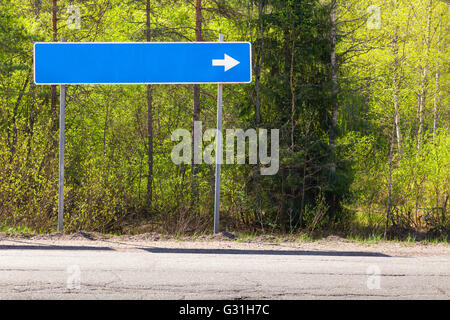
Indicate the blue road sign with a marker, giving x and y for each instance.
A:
(141, 63)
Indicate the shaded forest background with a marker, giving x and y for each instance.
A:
(358, 89)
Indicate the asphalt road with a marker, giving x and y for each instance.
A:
(102, 270)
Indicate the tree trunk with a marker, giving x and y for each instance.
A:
(196, 105)
(54, 98)
(258, 66)
(389, 202)
(397, 91)
(334, 92)
(335, 103)
(436, 98)
(149, 122)
(291, 83)
(302, 202)
(435, 102)
(14, 118)
(424, 80)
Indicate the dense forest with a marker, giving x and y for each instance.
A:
(358, 90)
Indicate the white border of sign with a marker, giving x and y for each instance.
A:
(120, 83)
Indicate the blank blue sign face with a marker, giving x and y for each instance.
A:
(142, 63)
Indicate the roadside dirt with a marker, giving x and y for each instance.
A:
(226, 241)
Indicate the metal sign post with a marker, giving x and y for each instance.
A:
(62, 126)
(218, 152)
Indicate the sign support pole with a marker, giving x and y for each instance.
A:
(62, 115)
(218, 152)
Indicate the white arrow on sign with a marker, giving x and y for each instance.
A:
(228, 62)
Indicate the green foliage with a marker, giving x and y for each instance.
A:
(107, 126)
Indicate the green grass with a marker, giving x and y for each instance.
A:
(374, 237)
(246, 235)
(304, 237)
(15, 229)
(436, 240)
(355, 237)
(411, 238)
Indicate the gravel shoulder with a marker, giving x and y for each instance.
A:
(225, 241)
